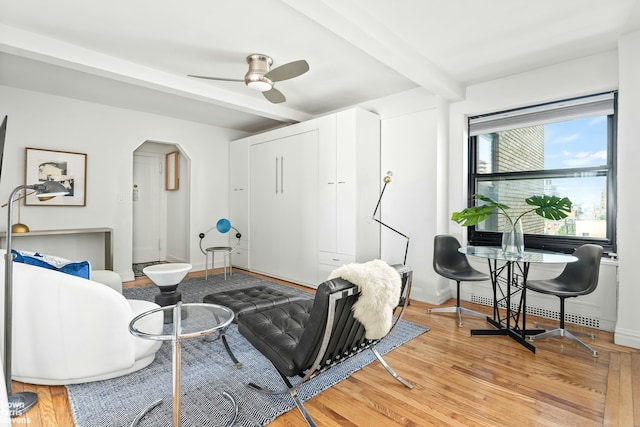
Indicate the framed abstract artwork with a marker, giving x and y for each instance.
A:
(66, 167)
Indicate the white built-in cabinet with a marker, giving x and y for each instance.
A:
(312, 189)
(349, 187)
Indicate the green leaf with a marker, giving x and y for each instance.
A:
(490, 202)
(476, 214)
(550, 207)
(473, 215)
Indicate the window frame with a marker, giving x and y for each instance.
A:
(565, 244)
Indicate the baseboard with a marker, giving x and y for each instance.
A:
(128, 276)
(627, 338)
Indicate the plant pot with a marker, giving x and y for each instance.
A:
(513, 239)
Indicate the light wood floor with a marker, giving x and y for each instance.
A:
(459, 380)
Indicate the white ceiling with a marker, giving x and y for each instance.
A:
(136, 53)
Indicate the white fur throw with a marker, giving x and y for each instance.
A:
(379, 285)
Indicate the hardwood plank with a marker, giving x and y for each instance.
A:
(60, 401)
(45, 402)
(612, 414)
(620, 391)
(459, 379)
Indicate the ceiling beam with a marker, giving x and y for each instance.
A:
(29, 45)
(357, 26)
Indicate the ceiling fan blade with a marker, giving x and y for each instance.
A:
(216, 78)
(288, 71)
(274, 96)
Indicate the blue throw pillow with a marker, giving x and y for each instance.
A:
(80, 268)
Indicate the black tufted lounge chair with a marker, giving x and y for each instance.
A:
(305, 338)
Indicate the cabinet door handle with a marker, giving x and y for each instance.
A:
(281, 174)
(276, 174)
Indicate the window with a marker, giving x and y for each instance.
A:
(565, 149)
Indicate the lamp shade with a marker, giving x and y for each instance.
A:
(259, 85)
(46, 190)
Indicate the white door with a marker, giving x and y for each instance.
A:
(147, 184)
(284, 207)
(299, 208)
(264, 214)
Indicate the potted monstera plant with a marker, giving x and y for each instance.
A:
(548, 207)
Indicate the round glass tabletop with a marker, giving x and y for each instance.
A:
(529, 255)
(197, 319)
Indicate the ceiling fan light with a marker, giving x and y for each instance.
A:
(259, 85)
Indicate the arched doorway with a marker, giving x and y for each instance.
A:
(160, 212)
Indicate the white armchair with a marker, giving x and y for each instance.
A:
(69, 330)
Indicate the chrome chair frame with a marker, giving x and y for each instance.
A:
(226, 251)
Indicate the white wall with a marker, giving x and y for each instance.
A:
(628, 326)
(109, 136)
(408, 147)
(414, 146)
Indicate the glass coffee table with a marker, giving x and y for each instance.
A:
(190, 320)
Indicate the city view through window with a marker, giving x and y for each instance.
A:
(565, 159)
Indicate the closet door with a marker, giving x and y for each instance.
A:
(284, 207)
(299, 208)
(347, 165)
(327, 186)
(264, 207)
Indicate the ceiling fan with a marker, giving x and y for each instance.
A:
(261, 77)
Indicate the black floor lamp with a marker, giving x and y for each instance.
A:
(19, 403)
(387, 180)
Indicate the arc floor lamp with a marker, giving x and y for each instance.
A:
(19, 403)
(387, 180)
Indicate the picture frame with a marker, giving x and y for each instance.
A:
(66, 167)
(172, 181)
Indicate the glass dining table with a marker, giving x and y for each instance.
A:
(509, 274)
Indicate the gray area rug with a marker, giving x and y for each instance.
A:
(207, 371)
